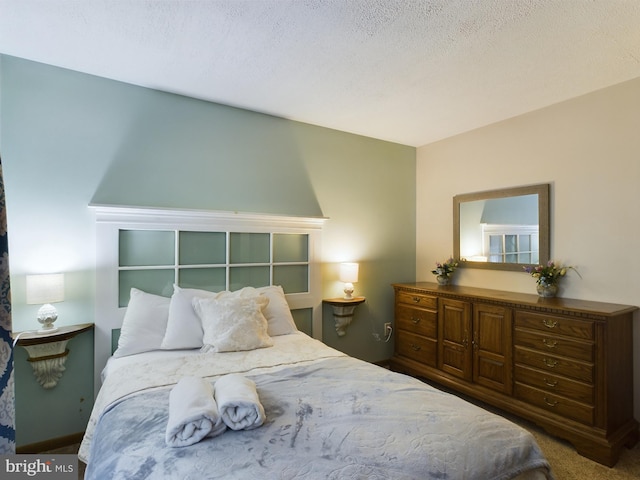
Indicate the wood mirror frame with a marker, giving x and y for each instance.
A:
(542, 190)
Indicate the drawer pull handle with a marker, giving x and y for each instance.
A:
(549, 323)
(416, 348)
(416, 320)
(550, 343)
(550, 363)
(551, 403)
(416, 299)
(552, 383)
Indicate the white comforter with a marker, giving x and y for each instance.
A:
(129, 375)
(327, 416)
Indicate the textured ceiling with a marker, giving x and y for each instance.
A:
(408, 71)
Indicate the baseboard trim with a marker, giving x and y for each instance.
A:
(383, 363)
(51, 444)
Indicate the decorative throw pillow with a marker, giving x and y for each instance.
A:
(277, 312)
(233, 323)
(144, 323)
(184, 329)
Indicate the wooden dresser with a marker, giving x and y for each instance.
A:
(565, 364)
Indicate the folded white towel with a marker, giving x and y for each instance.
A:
(238, 402)
(193, 413)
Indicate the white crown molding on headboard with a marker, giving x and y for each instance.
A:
(167, 216)
(110, 219)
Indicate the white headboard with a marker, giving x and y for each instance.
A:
(112, 220)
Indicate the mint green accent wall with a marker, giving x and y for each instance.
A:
(40, 413)
(69, 139)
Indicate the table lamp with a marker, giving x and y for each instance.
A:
(348, 275)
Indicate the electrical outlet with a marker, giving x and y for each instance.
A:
(388, 329)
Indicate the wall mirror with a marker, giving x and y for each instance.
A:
(502, 229)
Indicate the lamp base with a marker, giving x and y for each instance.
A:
(43, 331)
(46, 316)
(348, 291)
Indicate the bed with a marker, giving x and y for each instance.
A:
(326, 415)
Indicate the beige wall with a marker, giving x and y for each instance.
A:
(588, 149)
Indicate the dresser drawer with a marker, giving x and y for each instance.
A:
(417, 320)
(555, 403)
(555, 384)
(567, 367)
(417, 299)
(555, 344)
(416, 347)
(571, 327)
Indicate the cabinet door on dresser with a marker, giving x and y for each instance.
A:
(416, 327)
(474, 343)
(492, 363)
(454, 338)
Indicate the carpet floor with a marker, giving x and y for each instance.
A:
(567, 464)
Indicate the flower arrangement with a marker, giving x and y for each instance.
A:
(549, 274)
(445, 269)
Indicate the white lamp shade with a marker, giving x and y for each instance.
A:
(45, 288)
(349, 272)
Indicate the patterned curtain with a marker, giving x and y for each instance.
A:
(7, 397)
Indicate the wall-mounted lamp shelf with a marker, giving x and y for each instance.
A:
(48, 351)
(343, 311)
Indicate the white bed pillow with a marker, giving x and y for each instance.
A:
(184, 329)
(233, 323)
(144, 323)
(277, 312)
